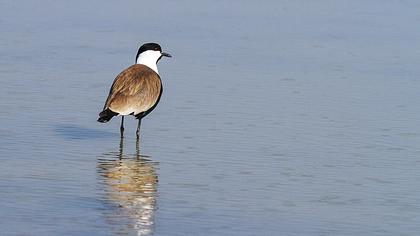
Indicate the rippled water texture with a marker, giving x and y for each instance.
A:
(277, 118)
(130, 183)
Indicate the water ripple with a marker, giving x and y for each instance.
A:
(130, 191)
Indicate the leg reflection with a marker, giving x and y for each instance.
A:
(121, 150)
(131, 186)
(138, 149)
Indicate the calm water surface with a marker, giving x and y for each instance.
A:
(278, 118)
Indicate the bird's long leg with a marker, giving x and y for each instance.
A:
(138, 129)
(122, 127)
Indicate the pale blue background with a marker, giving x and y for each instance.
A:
(278, 117)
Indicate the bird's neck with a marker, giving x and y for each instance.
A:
(149, 60)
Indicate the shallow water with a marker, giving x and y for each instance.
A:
(277, 118)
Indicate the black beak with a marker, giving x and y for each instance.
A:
(165, 54)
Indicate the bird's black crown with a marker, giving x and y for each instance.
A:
(148, 46)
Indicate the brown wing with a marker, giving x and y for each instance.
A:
(135, 90)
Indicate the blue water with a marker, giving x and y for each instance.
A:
(277, 118)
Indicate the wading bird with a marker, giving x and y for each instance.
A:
(136, 90)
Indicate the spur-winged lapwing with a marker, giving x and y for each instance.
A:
(136, 90)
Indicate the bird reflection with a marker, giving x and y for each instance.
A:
(131, 186)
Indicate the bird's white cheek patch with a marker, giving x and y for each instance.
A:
(149, 58)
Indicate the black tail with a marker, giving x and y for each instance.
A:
(106, 115)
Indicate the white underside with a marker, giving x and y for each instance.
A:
(132, 110)
(149, 58)
(126, 112)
